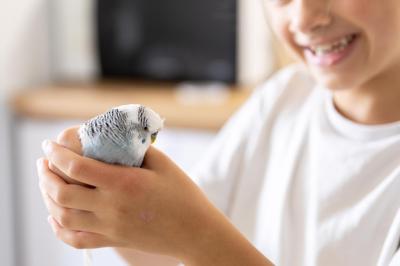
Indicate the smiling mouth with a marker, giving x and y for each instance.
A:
(334, 47)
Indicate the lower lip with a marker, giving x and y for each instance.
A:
(331, 59)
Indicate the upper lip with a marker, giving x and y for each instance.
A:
(321, 41)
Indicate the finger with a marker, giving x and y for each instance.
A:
(79, 239)
(156, 161)
(83, 169)
(67, 179)
(69, 138)
(154, 158)
(66, 195)
(73, 219)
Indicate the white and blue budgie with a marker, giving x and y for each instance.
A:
(121, 135)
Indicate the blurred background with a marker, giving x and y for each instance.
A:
(201, 57)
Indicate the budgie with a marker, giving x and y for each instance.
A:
(122, 136)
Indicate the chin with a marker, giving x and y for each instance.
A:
(335, 81)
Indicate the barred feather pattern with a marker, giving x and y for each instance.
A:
(110, 138)
(142, 118)
(112, 125)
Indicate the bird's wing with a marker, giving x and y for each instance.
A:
(110, 126)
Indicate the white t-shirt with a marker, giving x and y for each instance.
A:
(304, 184)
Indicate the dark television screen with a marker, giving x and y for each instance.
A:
(168, 39)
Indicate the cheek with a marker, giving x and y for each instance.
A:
(379, 20)
(280, 27)
(276, 19)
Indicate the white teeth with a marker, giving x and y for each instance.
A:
(339, 45)
(344, 41)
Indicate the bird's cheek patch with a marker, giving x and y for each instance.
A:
(153, 137)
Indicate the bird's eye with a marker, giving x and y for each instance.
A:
(146, 128)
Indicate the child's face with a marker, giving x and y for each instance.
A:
(345, 43)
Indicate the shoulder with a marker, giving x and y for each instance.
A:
(279, 98)
(243, 145)
(291, 79)
(291, 73)
(288, 88)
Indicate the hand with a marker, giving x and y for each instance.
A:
(156, 208)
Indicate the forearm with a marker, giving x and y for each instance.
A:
(224, 245)
(138, 258)
(217, 245)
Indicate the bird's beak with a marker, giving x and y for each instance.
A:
(153, 137)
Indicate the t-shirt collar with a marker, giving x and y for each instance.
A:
(353, 130)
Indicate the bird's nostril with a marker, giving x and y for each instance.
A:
(143, 141)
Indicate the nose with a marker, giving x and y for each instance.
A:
(309, 16)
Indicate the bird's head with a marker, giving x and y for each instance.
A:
(147, 120)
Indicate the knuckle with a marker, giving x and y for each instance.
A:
(69, 138)
(66, 136)
(75, 168)
(63, 137)
(65, 218)
(77, 242)
(53, 168)
(62, 197)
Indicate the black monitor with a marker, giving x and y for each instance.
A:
(168, 39)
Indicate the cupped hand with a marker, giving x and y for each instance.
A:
(156, 208)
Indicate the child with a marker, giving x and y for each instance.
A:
(308, 170)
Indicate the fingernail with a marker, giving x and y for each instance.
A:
(45, 146)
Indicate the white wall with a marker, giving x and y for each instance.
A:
(6, 239)
(23, 62)
(72, 38)
(257, 58)
(24, 49)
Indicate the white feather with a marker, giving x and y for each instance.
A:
(155, 122)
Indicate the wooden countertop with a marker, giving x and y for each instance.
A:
(198, 109)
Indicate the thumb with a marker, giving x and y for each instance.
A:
(154, 159)
(69, 138)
